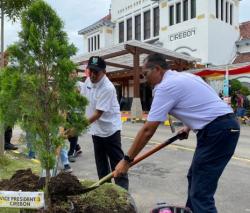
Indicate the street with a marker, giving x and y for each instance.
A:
(162, 177)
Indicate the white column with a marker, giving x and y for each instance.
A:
(182, 11)
(125, 29)
(142, 25)
(219, 8)
(174, 13)
(133, 27)
(151, 22)
(189, 9)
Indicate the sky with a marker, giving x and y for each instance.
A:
(78, 14)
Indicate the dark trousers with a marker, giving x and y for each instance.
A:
(73, 145)
(7, 135)
(108, 153)
(216, 144)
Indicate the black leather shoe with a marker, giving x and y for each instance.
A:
(10, 146)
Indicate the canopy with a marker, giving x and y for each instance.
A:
(231, 71)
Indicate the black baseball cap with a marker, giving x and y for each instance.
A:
(96, 63)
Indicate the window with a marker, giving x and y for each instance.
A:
(178, 13)
(98, 41)
(121, 32)
(222, 10)
(129, 29)
(171, 15)
(185, 10)
(89, 44)
(138, 27)
(92, 44)
(95, 44)
(217, 8)
(147, 25)
(156, 21)
(231, 14)
(193, 8)
(227, 11)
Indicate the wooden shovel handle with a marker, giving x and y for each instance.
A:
(143, 156)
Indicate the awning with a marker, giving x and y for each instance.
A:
(232, 70)
(121, 55)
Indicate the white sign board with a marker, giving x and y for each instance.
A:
(21, 200)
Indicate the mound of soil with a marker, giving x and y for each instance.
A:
(63, 185)
(23, 180)
(67, 194)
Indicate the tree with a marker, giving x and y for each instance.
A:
(236, 85)
(37, 87)
(12, 9)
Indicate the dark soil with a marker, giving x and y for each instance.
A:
(63, 185)
(23, 180)
(66, 194)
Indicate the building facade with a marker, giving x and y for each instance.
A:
(206, 29)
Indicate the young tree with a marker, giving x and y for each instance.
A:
(11, 9)
(37, 87)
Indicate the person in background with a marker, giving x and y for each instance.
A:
(240, 110)
(191, 100)
(74, 148)
(65, 160)
(7, 138)
(221, 95)
(104, 116)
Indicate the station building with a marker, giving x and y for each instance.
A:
(191, 33)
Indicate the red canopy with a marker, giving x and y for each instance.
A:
(235, 71)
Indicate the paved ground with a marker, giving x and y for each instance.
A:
(162, 177)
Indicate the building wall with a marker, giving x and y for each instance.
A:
(222, 35)
(205, 36)
(107, 37)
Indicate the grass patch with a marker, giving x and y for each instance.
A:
(11, 162)
(7, 210)
(107, 196)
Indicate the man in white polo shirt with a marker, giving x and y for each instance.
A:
(103, 113)
(197, 105)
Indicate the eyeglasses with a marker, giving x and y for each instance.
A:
(147, 70)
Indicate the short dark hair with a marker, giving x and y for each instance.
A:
(156, 59)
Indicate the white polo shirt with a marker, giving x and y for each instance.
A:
(188, 98)
(102, 96)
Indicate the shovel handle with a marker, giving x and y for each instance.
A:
(143, 156)
(158, 147)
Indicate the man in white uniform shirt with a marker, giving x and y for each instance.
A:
(103, 113)
(197, 105)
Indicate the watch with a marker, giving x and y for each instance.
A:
(128, 159)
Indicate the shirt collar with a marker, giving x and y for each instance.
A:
(99, 84)
(163, 78)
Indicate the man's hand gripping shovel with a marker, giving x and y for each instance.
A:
(179, 136)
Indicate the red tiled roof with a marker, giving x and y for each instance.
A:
(245, 30)
(242, 58)
(107, 17)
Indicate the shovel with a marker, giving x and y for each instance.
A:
(137, 160)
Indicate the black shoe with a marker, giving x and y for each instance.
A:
(67, 168)
(10, 146)
(72, 158)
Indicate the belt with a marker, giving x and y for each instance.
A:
(222, 117)
(229, 115)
